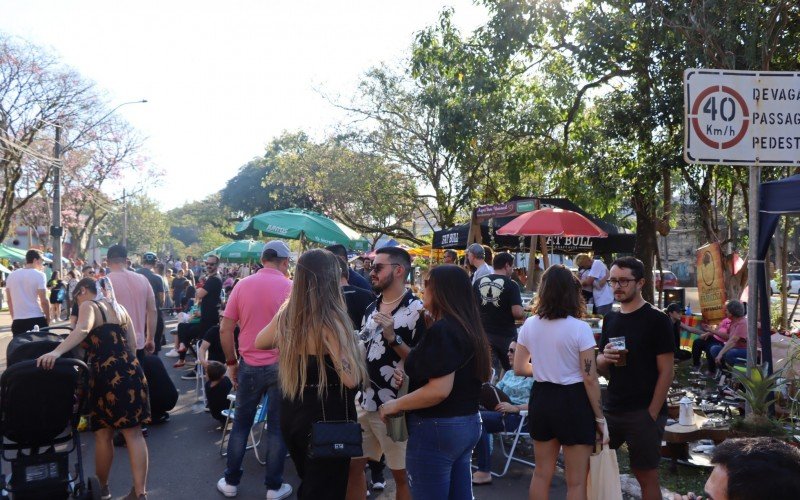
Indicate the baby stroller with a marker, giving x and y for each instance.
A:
(39, 414)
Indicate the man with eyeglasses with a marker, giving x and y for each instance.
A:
(26, 293)
(636, 409)
(392, 326)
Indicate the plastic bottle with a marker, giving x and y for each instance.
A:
(688, 310)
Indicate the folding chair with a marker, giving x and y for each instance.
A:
(509, 454)
(259, 424)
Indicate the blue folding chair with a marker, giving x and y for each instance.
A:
(257, 429)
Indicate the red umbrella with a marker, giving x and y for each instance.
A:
(552, 222)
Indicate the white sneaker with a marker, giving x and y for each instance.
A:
(226, 489)
(172, 354)
(283, 492)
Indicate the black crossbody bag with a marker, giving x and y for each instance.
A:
(335, 438)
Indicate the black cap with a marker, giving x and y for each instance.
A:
(149, 258)
(117, 252)
(674, 307)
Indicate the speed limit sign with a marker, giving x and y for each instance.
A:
(742, 117)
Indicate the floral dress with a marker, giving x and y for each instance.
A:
(118, 397)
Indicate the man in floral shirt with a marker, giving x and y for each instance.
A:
(392, 326)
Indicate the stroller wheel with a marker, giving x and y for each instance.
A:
(93, 493)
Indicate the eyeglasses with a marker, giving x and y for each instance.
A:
(377, 268)
(511, 351)
(621, 282)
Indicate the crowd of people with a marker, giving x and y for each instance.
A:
(330, 345)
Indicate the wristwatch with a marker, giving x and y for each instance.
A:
(398, 340)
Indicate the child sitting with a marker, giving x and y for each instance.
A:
(218, 386)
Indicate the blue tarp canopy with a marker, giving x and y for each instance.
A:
(777, 198)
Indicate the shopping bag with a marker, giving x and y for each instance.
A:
(603, 481)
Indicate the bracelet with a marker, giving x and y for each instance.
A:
(600, 420)
(231, 362)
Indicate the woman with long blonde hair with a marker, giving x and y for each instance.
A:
(320, 367)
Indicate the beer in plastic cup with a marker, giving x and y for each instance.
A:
(618, 343)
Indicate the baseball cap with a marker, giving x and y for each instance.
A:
(279, 247)
(477, 250)
(149, 258)
(674, 307)
(117, 252)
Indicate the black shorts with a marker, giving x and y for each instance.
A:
(641, 432)
(561, 412)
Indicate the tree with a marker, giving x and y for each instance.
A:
(36, 95)
(148, 228)
(247, 194)
(357, 188)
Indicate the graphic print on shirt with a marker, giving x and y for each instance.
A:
(491, 290)
(382, 358)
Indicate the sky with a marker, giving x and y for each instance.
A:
(224, 78)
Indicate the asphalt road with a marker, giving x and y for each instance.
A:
(185, 463)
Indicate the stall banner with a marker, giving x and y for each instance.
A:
(688, 338)
(711, 282)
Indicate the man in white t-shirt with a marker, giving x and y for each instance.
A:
(476, 256)
(26, 291)
(597, 278)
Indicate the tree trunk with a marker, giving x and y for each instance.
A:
(646, 244)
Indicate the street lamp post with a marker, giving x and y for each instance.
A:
(56, 230)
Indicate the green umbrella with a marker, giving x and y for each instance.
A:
(296, 223)
(239, 251)
(11, 253)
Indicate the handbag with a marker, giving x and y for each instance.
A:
(335, 438)
(603, 481)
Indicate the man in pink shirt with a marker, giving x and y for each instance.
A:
(135, 294)
(252, 304)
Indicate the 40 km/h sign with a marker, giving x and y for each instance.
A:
(741, 117)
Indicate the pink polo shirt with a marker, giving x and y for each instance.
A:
(253, 303)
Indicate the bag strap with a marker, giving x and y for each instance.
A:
(346, 406)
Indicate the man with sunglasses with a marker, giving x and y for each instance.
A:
(635, 407)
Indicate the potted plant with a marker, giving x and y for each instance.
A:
(758, 390)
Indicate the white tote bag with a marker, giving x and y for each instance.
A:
(603, 482)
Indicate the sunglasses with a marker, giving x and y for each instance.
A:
(511, 351)
(377, 268)
(210, 264)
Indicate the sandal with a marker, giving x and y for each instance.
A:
(179, 364)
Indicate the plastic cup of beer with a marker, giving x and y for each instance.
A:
(618, 343)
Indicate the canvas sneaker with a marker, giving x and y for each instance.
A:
(172, 353)
(283, 492)
(226, 489)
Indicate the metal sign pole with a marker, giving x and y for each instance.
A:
(752, 269)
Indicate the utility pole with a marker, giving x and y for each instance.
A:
(124, 219)
(56, 231)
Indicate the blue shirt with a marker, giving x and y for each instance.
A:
(358, 281)
(518, 388)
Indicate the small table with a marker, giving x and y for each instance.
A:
(679, 436)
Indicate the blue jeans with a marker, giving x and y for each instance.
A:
(438, 456)
(254, 382)
(493, 421)
(730, 357)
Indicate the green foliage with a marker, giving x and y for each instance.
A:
(148, 227)
(759, 388)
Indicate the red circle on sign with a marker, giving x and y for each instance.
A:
(708, 141)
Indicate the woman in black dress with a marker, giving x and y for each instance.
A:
(320, 368)
(57, 291)
(118, 398)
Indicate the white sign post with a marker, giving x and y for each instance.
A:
(741, 117)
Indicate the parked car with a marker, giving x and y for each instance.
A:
(670, 280)
(793, 282)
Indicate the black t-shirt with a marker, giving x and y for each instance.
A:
(496, 294)
(648, 333)
(156, 282)
(177, 286)
(218, 397)
(209, 306)
(357, 300)
(443, 349)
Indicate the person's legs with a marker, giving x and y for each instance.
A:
(376, 468)
(137, 454)
(545, 454)
(461, 435)
(103, 454)
(648, 480)
(492, 422)
(576, 461)
(276, 448)
(248, 395)
(356, 480)
(644, 445)
(711, 347)
(428, 467)
(735, 356)
(698, 348)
